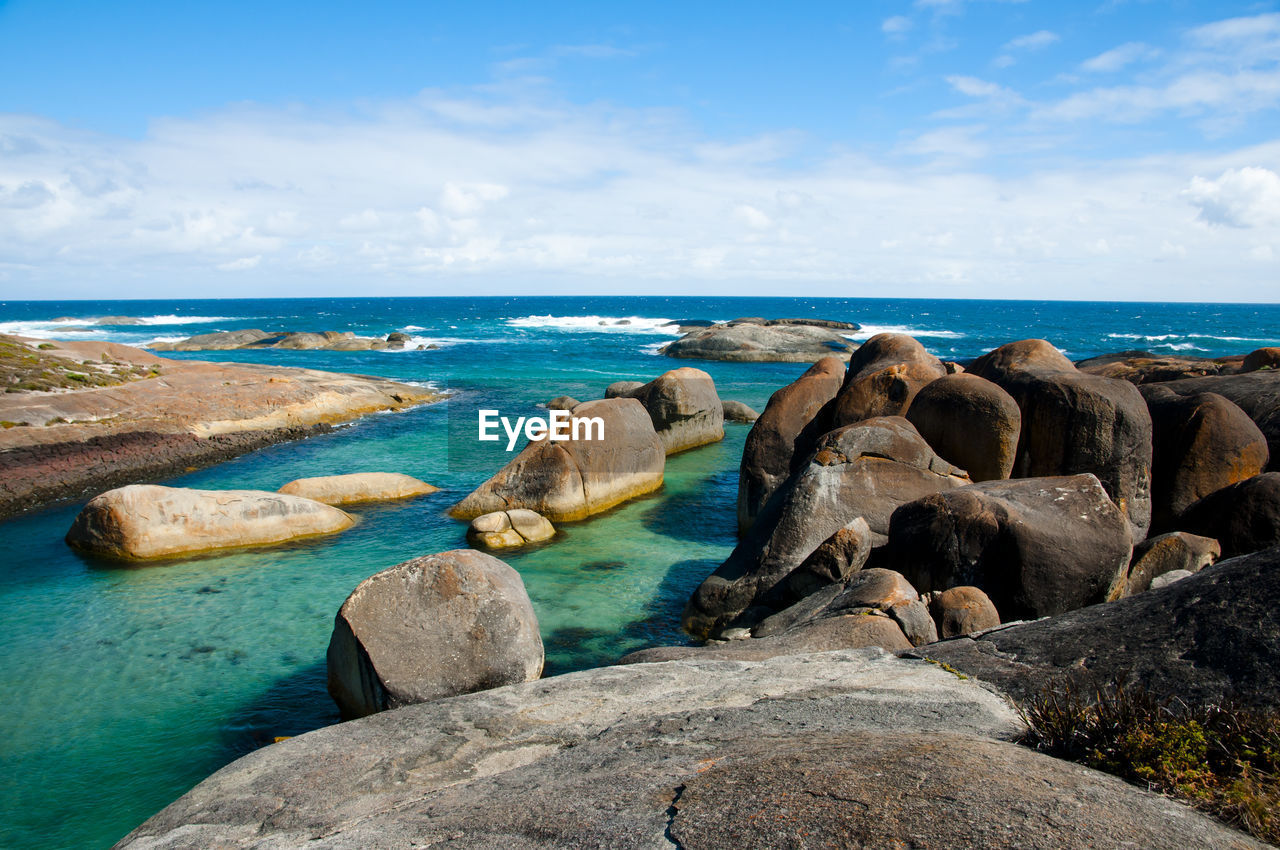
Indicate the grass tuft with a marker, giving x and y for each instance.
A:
(1221, 759)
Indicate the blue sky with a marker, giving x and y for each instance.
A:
(950, 148)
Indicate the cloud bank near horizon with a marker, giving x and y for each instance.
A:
(508, 188)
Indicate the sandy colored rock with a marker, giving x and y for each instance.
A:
(783, 437)
(573, 479)
(622, 389)
(445, 624)
(736, 411)
(509, 529)
(143, 521)
(883, 378)
(1166, 553)
(357, 487)
(685, 408)
(971, 422)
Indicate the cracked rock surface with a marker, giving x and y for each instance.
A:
(854, 748)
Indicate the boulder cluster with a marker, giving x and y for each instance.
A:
(296, 340)
(901, 499)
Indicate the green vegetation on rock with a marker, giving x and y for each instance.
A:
(26, 369)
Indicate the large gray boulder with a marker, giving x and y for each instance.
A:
(1074, 422)
(142, 521)
(1208, 639)
(685, 409)
(573, 479)
(865, 470)
(444, 624)
(748, 342)
(1201, 443)
(784, 435)
(853, 748)
(1036, 546)
(970, 422)
(883, 378)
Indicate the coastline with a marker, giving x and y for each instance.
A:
(184, 415)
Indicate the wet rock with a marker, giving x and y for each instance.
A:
(358, 487)
(148, 521)
(445, 624)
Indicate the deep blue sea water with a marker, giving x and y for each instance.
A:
(125, 686)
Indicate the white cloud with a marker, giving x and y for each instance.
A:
(1118, 57)
(897, 25)
(1234, 30)
(403, 199)
(974, 87)
(1033, 41)
(1240, 197)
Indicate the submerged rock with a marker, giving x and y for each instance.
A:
(149, 521)
(445, 624)
(358, 487)
(736, 411)
(573, 479)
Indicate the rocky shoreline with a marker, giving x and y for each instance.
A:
(164, 418)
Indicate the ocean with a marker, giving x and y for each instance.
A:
(124, 686)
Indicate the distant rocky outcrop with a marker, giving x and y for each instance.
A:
(573, 479)
(358, 487)
(298, 340)
(757, 341)
(147, 521)
(509, 529)
(445, 624)
(854, 748)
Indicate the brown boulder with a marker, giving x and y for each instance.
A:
(971, 422)
(357, 487)
(573, 479)
(685, 408)
(843, 631)
(445, 624)
(1256, 393)
(1035, 546)
(1073, 423)
(736, 411)
(1176, 551)
(1201, 443)
(884, 375)
(840, 556)
(783, 437)
(1244, 517)
(865, 470)
(962, 611)
(1263, 358)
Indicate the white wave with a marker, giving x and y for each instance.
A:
(49, 330)
(188, 320)
(869, 331)
(154, 340)
(598, 324)
(424, 341)
(654, 347)
(411, 328)
(1180, 346)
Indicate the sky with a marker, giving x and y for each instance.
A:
(1107, 150)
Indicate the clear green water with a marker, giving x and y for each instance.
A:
(124, 686)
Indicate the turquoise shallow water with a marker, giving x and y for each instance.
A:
(123, 686)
